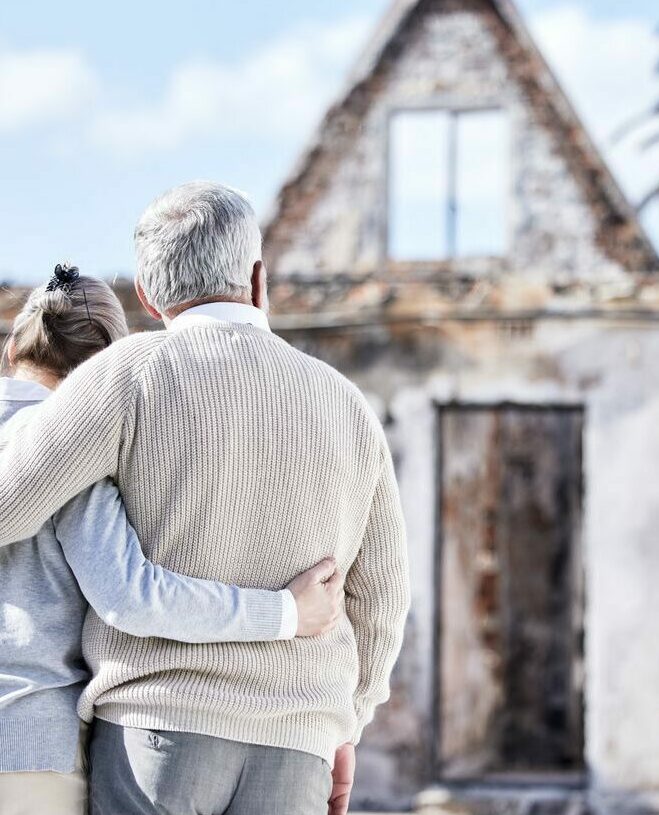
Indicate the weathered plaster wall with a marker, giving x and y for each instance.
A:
(613, 371)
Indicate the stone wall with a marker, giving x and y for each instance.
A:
(332, 218)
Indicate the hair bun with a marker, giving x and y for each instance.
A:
(64, 276)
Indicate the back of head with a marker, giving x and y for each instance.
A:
(195, 242)
(66, 322)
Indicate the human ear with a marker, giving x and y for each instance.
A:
(145, 303)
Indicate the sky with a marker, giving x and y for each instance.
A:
(103, 106)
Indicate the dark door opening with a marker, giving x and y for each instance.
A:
(509, 591)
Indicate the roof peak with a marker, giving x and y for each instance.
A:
(602, 184)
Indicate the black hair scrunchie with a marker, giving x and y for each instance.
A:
(63, 277)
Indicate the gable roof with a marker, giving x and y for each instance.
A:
(621, 232)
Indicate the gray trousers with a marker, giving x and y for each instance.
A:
(144, 772)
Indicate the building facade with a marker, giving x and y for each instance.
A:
(453, 242)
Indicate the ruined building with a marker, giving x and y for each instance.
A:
(454, 243)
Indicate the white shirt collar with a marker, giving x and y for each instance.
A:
(227, 312)
(19, 390)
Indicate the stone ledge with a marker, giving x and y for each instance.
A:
(501, 800)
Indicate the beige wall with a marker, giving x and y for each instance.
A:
(612, 369)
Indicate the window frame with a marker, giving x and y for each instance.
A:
(454, 108)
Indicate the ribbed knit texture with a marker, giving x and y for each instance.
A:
(239, 459)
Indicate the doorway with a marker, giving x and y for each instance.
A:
(509, 603)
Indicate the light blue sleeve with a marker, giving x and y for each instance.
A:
(132, 594)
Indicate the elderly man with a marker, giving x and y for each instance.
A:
(219, 432)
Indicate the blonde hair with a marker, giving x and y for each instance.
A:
(59, 328)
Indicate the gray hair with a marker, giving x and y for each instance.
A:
(58, 330)
(197, 241)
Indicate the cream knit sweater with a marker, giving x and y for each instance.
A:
(240, 459)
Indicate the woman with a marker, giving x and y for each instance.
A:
(89, 553)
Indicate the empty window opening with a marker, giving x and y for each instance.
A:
(448, 180)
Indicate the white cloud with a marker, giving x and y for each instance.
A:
(280, 89)
(38, 86)
(607, 68)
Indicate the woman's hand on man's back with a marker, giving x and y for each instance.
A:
(319, 596)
